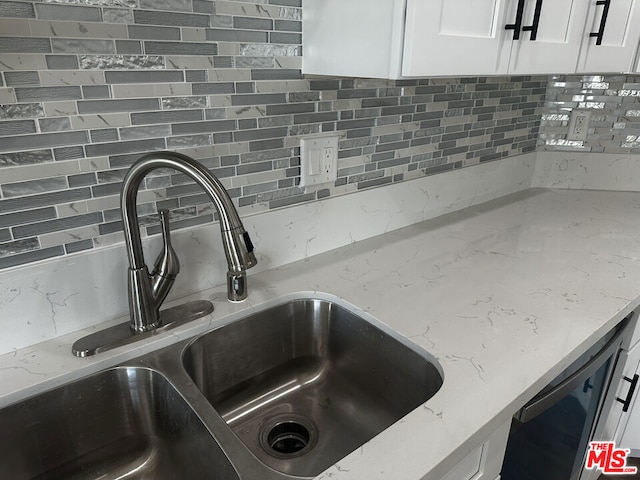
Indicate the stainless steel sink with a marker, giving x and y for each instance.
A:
(305, 383)
(123, 423)
(284, 392)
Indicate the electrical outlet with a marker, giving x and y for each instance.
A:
(318, 160)
(328, 159)
(579, 125)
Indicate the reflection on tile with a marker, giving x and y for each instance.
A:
(614, 101)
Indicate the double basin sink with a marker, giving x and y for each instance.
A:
(284, 392)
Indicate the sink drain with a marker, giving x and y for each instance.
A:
(288, 436)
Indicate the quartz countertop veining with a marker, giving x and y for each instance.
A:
(504, 294)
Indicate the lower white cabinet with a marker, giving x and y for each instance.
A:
(616, 420)
(485, 461)
(631, 435)
(631, 428)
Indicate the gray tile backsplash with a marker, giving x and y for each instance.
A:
(97, 83)
(16, 9)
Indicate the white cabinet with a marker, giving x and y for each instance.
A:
(611, 36)
(631, 428)
(464, 37)
(485, 461)
(455, 37)
(405, 38)
(550, 42)
(354, 38)
(419, 38)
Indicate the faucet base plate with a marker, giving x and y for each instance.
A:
(121, 334)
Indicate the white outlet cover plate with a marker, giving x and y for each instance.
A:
(573, 133)
(318, 160)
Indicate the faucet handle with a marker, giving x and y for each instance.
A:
(167, 265)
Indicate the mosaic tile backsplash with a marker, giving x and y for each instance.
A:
(87, 86)
(614, 101)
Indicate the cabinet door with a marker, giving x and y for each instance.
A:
(631, 427)
(552, 37)
(455, 37)
(612, 48)
(352, 38)
(484, 462)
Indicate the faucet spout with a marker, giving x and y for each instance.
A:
(147, 292)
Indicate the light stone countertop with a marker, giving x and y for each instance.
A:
(505, 295)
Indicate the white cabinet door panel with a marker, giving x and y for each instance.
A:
(631, 429)
(485, 461)
(559, 35)
(455, 37)
(620, 36)
(361, 38)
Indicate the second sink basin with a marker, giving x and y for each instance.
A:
(122, 423)
(304, 383)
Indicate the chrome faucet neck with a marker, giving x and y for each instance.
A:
(145, 295)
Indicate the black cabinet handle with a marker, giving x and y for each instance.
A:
(517, 26)
(533, 28)
(603, 21)
(627, 401)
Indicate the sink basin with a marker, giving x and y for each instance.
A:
(123, 423)
(306, 382)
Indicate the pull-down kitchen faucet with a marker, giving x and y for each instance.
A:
(148, 291)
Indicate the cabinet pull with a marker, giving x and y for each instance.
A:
(627, 401)
(518, 24)
(533, 28)
(603, 21)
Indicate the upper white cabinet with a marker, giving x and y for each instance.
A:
(611, 36)
(467, 37)
(353, 38)
(422, 38)
(550, 35)
(455, 37)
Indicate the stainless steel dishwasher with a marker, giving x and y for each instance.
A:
(549, 436)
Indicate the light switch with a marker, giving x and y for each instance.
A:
(315, 161)
(318, 160)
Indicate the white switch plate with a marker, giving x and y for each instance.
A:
(318, 160)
